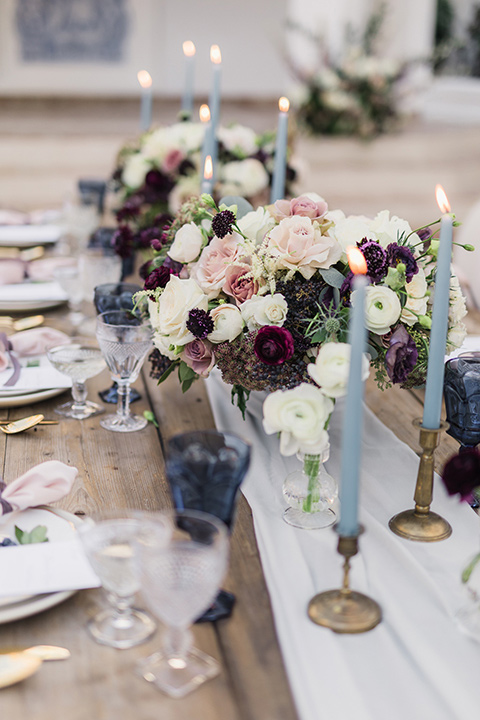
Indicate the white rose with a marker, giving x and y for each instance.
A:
(300, 416)
(228, 323)
(135, 170)
(457, 308)
(332, 366)
(245, 177)
(238, 139)
(264, 310)
(154, 317)
(349, 230)
(163, 345)
(417, 298)
(382, 308)
(456, 336)
(186, 187)
(156, 145)
(187, 136)
(390, 229)
(187, 244)
(256, 224)
(176, 301)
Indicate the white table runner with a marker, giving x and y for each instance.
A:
(416, 663)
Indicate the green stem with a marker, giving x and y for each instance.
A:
(311, 466)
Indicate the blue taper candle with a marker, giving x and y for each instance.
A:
(214, 102)
(280, 166)
(187, 96)
(145, 80)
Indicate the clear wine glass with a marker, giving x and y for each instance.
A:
(110, 545)
(180, 580)
(81, 359)
(125, 341)
(69, 279)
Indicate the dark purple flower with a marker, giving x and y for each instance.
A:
(156, 244)
(402, 254)
(222, 223)
(199, 323)
(157, 278)
(174, 266)
(401, 356)
(376, 259)
(145, 269)
(123, 241)
(273, 345)
(461, 474)
(149, 234)
(425, 234)
(130, 208)
(346, 289)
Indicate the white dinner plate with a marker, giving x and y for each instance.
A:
(30, 398)
(28, 305)
(60, 524)
(28, 235)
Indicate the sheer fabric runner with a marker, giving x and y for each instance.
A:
(416, 663)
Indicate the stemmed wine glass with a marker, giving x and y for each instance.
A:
(110, 545)
(125, 341)
(179, 580)
(81, 359)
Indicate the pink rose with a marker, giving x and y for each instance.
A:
(213, 262)
(172, 161)
(238, 285)
(303, 206)
(299, 245)
(199, 355)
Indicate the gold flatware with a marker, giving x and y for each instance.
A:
(42, 422)
(33, 253)
(45, 653)
(18, 426)
(23, 323)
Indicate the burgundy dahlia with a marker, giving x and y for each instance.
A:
(461, 474)
(401, 356)
(273, 345)
(157, 278)
(376, 259)
(401, 254)
(223, 223)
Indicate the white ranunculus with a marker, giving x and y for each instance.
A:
(245, 178)
(417, 298)
(263, 310)
(185, 188)
(163, 345)
(456, 336)
(382, 308)
(256, 224)
(176, 301)
(228, 323)
(300, 416)
(331, 368)
(135, 170)
(350, 230)
(390, 229)
(187, 244)
(238, 139)
(156, 145)
(457, 307)
(187, 136)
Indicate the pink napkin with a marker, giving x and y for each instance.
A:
(12, 271)
(44, 269)
(27, 342)
(42, 484)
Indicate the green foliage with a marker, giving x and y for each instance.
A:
(150, 417)
(240, 397)
(37, 535)
(186, 375)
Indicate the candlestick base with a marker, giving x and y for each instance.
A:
(420, 524)
(345, 610)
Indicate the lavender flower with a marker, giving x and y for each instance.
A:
(401, 356)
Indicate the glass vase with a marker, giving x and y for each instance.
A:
(310, 493)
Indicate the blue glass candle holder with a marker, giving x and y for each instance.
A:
(462, 399)
(205, 470)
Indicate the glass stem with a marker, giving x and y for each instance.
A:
(79, 394)
(177, 642)
(311, 466)
(123, 407)
(122, 611)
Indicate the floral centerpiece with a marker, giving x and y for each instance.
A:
(264, 296)
(158, 173)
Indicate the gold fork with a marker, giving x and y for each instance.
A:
(22, 323)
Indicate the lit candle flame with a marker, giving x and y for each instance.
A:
(204, 113)
(215, 55)
(356, 261)
(284, 104)
(144, 78)
(441, 198)
(189, 48)
(208, 169)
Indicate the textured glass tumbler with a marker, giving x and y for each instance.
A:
(462, 399)
(205, 470)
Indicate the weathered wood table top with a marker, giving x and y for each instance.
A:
(127, 470)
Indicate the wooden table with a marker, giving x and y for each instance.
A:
(127, 470)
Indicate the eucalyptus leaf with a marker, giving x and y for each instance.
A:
(37, 535)
(372, 351)
(332, 277)
(243, 206)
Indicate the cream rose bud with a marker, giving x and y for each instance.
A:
(300, 416)
(187, 244)
(176, 301)
(382, 308)
(163, 345)
(256, 224)
(456, 336)
(417, 299)
(135, 170)
(331, 368)
(264, 310)
(227, 322)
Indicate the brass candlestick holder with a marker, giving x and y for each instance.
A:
(421, 524)
(344, 610)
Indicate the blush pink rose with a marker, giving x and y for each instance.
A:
(172, 160)
(199, 355)
(210, 270)
(302, 206)
(299, 245)
(238, 285)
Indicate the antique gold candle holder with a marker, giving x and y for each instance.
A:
(344, 610)
(421, 523)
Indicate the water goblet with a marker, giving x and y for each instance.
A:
(81, 359)
(110, 545)
(125, 341)
(68, 277)
(179, 580)
(115, 296)
(462, 398)
(204, 470)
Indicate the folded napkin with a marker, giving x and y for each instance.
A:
(29, 234)
(37, 341)
(27, 344)
(12, 271)
(42, 484)
(45, 269)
